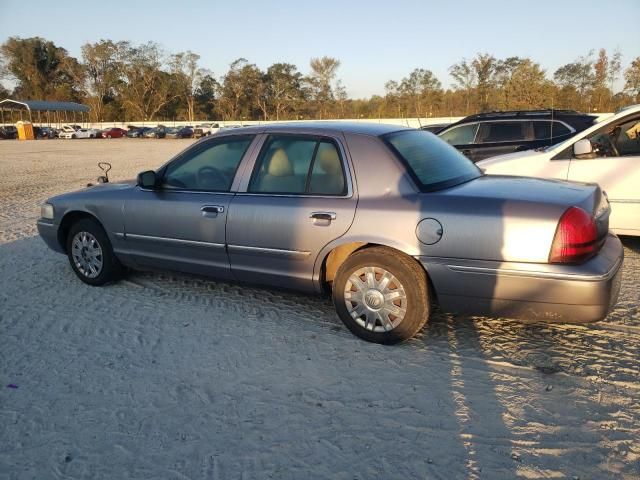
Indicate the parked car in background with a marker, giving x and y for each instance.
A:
(205, 129)
(64, 129)
(157, 132)
(137, 132)
(300, 206)
(45, 132)
(228, 127)
(179, 132)
(434, 127)
(608, 153)
(489, 134)
(81, 133)
(113, 132)
(8, 132)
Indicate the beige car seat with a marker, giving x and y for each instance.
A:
(331, 181)
(280, 176)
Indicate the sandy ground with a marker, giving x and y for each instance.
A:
(169, 376)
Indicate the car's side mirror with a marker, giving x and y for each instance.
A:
(583, 149)
(147, 179)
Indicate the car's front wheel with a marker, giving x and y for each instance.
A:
(90, 253)
(381, 295)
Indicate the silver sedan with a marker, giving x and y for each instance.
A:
(390, 221)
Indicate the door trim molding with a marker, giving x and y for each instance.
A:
(178, 241)
(277, 252)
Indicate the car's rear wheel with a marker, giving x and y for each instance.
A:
(90, 253)
(381, 295)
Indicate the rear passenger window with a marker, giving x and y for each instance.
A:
(327, 177)
(496, 132)
(547, 129)
(462, 135)
(298, 165)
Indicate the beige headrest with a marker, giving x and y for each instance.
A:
(280, 166)
(329, 161)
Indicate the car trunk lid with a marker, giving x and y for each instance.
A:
(506, 218)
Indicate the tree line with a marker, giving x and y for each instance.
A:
(122, 81)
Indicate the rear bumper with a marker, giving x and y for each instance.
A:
(49, 233)
(550, 293)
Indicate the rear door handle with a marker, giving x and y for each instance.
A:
(212, 209)
(323, 215)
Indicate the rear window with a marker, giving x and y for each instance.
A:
(433, 163)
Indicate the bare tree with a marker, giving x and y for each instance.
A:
(632, 78)
(187, 77)
(323, 72)
(239, 88)
(615, 66)
(145, 88)
(285, 88)
(99, 61)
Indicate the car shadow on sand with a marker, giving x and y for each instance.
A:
(467, 398)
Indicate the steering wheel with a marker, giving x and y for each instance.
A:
(612, 144)
(210, 178)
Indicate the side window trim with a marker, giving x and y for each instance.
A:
(313, 162)
(255, 163)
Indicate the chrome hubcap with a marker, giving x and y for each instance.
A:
(87, 254)
(375, 299)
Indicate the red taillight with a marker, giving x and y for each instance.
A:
(576, 237)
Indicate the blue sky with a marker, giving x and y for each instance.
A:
(375, 40)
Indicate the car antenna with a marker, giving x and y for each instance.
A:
(551, 131)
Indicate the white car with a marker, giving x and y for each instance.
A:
(65, 129)
(608, 153)
(205, 129)
(81, 133)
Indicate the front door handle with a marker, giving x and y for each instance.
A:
(323, 215)
(212, 209)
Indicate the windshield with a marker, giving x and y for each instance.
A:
(433, 163)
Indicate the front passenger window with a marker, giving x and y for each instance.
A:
(627, 137)
(209, 167)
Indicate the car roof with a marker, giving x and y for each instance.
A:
(327, 127)
(571, 116)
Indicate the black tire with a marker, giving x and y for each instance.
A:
(73, 136)
(413, 281)
(111, 269)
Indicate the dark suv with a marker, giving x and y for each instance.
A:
(489, 134)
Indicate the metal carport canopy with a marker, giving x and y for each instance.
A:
(43, 106)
